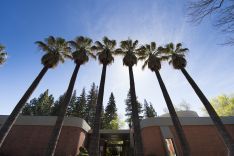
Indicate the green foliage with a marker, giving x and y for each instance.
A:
(151, 55)
(105, 50)
(83, 152)
(79, 107)
(128, 49)
(91, 104)
(56, 50)
(40, 106)
(149, 111)
(110, 115)
(176, 55)
(128, 108)
(82, 49)
(56, 105)
(72, 104)
(224, 105)
(3, 54)
(44, 103)
(83, 106)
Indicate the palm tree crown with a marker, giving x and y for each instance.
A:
(82, 46)
(151, 55)
(176, 55)
(3, 54)
(105, 50)
(56, 50)
(128, 49)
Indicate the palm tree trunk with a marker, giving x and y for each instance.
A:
(95, 136)
(6, 127)
(62, 111)
(176, 122)
(136, 122)
(226, 137)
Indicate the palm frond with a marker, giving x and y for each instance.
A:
(124, 45)
(164, 58)
(2, 47)
(119, 51)
(113, 44)
(50, 40)
(153, 46)
(183, 50)
(141, 58)
(43, 46)
(162, 50)
(145, 63)
(141, 51)
(105, 40)
(72, 44)
(170, 62)
(148, 48)
(99, 45)
(135, 44)
(91, 54)
(88, 42)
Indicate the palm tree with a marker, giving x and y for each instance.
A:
(3, 54)
(178, 61)
(128, 50)
(82, 51)
(105, 51)
(152, 57)
(55, 51)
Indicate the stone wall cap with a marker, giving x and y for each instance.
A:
(48, 121)
(166, 121)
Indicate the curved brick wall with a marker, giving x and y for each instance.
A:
(31, 134)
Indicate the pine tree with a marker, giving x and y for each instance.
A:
(128, 108)
(149, 110)
(78, 110)
(72, 104)
(44, 104)
(39, 106)
(56, 106)
(110, 112)
(28, 109)
(91, 104)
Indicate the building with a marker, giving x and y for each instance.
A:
(30, 136)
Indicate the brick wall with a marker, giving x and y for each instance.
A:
(204, 140)
(32, 140)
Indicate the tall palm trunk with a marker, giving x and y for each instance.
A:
(136, 122)
(95, 137)
(179, 130)
(62, 111)
(6, 127)
(227, 139)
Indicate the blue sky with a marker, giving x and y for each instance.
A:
(26, 21)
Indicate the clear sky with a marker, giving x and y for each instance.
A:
(25, 21)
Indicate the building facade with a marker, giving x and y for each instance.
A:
(30, 136)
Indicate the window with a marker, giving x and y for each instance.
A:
(170, 147)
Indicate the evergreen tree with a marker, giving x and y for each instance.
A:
(149, 110)
(91, 104)
(28, 109)
(128, 108)
(72, 104)
(39, 106)
(110, 112)
(79, 108)
(56, 106)
(44, 104)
